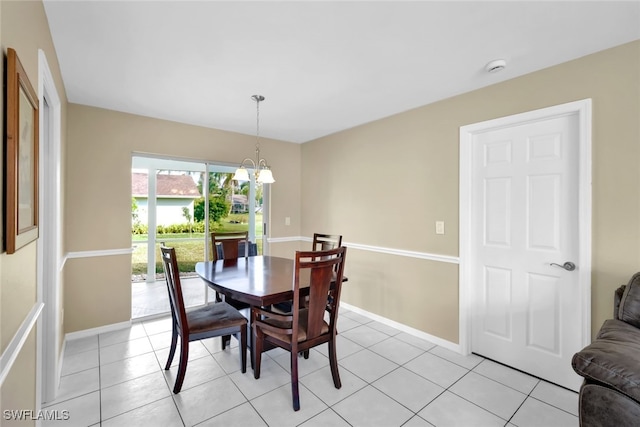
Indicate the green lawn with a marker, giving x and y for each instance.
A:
(189, 247)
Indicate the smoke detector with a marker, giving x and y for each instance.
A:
(495, 65)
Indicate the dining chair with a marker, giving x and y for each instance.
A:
(305, 327)
(216, 319)
(322, 242)
(230, 246)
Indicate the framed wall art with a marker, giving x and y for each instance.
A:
(21, 169)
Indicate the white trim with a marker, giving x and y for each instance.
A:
(149, 317)
(404, 253)
(152, 223)
(585, 207)
(404, 328)
(285, 239)
(100, 253)
(380, 249)
(266, 219)
(17, 342)
(71, 336)
(583, 109)
(48, 360)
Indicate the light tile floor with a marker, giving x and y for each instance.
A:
(389, 378)
(151, 299)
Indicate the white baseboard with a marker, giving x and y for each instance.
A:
(96, 331)
(404, 328)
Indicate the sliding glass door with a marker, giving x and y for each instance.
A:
(178, 203)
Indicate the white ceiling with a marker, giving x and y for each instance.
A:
(322, 66)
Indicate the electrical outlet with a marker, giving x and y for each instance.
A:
(439, 227)
(287, 220)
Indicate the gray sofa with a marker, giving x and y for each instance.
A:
(610, 365)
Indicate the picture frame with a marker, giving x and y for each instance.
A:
(21, 168)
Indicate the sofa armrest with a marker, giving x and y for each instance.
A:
(616, 301)
(612, 358)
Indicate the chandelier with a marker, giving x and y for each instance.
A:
(262, 169)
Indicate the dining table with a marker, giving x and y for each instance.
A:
(259, 281)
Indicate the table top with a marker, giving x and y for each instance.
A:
(256, 280)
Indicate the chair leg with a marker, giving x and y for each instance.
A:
(257, 351)
(226, 341)
(172, 351)
(333, 361)
(306, 354)
(182, 368)
(251, 344)
(295, 392)
(243, 348)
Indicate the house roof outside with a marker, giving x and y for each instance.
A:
(240, 199)
(181, 186)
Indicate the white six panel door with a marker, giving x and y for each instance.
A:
(525, 203)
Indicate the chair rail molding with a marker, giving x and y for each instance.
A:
(380, 249)
(10, 354)
(99, 253)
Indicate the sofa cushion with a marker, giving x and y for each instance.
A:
(629, 310)
(613, 358)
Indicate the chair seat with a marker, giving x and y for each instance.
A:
(302, 327)
(220, 314)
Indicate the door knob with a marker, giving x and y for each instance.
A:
(569, 266)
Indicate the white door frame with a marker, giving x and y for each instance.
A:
(48, 248)
(467, 133)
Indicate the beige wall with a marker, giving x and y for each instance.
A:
(386, 183)
(96, 164)
(98, 198)
(19, 388)
(23, 27)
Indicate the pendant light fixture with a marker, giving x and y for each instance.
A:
(262, 169)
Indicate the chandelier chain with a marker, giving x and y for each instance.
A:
(257, 122)
(257, 98)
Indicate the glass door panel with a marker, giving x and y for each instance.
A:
(164, 195)
(235, 205)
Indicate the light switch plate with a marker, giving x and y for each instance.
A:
(287, 220)
(439, 227)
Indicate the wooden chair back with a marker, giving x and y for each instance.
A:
(326, 270)
(322, 242)
(230, 242)
(174, 287)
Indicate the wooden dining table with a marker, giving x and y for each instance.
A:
(259, 281)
